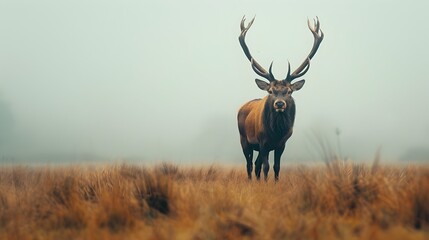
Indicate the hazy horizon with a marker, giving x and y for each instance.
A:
(163, 80)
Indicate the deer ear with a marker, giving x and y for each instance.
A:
(262, 84)
(298, 85)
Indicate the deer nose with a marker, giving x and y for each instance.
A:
(280, 104)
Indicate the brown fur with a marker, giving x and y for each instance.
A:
(250, 120)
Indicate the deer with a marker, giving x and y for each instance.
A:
(266, 124)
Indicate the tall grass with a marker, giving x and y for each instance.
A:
(339, 200)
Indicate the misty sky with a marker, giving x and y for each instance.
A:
(163, 80)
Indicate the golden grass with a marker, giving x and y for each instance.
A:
(336, 201)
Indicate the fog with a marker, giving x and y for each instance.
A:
(152, 81)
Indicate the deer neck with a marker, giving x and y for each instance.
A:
(278, 124)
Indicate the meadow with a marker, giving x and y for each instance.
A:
(337, 200)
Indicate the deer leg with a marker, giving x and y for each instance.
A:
(248, 154)
(249, 164)
(262, 159)
(249, 158)
(277, 154)
(258, 164)
(266, 166)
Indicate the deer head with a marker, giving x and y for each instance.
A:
(280, 90)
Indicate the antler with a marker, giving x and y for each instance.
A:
(255, 65)
(303, 68)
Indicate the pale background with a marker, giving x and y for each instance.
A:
(162, 80)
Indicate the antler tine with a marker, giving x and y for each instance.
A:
(255, 65)
(318, 37)
(248, 25)
(294, 75)
(270, 70)
(288, 72)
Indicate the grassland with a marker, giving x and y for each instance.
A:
(340, 200)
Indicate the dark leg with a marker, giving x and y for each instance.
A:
(248, 154)
(258, 164)
(249, 158)
(266, 166)
(277, 154)
(262, 159)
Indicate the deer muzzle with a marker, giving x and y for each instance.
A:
(279, 105)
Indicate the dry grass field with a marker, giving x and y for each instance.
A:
(340, 200)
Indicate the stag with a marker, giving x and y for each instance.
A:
(266, 124)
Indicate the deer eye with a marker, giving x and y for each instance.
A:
(270, 91)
